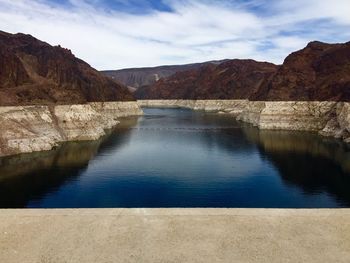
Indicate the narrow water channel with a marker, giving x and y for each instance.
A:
(182, 158)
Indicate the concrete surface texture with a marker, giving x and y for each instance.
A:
(175, 235)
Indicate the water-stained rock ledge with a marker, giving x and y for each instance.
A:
(26, 129)
(328, 118)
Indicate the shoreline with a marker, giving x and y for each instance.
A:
(327, 118)
(27, 129)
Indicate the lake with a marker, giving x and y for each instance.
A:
(182, 158)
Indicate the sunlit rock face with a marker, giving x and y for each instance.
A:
(37, 128)
(327, 118)
(339, 124)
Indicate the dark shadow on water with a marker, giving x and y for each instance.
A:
(28, 177)
(310, 162)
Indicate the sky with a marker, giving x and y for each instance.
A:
(115, 34)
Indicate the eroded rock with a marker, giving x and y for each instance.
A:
(38, 128)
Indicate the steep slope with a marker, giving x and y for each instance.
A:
(34, 72)
(233, 79)
(138, 77)
(319, 72)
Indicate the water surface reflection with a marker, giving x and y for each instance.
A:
(181, 158)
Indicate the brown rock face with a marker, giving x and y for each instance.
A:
(34, 72)
(138, 77)
(318, 72)
(233, 79)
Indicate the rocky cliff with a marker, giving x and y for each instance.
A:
(48, 96)
(232, 79)
(27, 129)
(319, 72)
(136, 78)
(34, 72)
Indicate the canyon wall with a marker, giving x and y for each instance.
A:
(136, 78)
(48, 96)
(326, 118)
(27, 129)
(36, 73)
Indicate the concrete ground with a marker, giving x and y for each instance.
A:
(175, 235)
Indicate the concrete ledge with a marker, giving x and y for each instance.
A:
(175, 235)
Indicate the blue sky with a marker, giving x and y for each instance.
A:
(113, 34)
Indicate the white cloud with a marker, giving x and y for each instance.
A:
(194, 31)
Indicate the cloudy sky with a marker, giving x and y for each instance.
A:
(113, 34)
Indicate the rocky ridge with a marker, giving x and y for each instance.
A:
(319, 72)
(232, 79)
(136, 78)
(36, 73)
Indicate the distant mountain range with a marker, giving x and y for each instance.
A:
(236, 79)
(138, 77)
(320, 71)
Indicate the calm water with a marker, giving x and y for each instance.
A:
(182, 158)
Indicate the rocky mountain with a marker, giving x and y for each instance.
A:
(34, 72)
(232, 79)
(138, 77)
(319, 72)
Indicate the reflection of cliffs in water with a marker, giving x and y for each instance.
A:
(224, 132)
(212, 130)
(304, 159)
(28, 177)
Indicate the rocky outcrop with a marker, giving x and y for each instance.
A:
(339, 124)
(288, 115)
(36, 73)
(319, 72)
(327, 118)
(27, 129)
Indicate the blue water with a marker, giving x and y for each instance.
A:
(182, 158)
